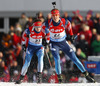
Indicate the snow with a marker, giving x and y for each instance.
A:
(48, 84)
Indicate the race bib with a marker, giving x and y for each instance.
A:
(57, 35)
(36, 41)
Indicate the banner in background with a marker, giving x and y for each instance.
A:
(92, 67)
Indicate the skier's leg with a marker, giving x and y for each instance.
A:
(69, 51)
(40, 54)
(55, 53)
(28, 57)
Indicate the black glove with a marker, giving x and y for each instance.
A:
(24, 47)
(44, 43)
(72, 38)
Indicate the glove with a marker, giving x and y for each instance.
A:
(44, 43)
(24, 47)
(72, 38)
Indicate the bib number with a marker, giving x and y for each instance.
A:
(37, 41)
(57, 35)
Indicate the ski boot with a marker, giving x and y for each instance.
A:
(39, 77)
(60, 78)
(20, 80)
(87, 76)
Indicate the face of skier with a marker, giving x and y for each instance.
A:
(38, 29)
(55, 15)
(38, 25)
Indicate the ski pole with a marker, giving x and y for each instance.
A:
(77, 35)
(48, 58)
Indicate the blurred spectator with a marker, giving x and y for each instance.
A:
(82, 43)
(16, 40)
(13, 67)
(18, 29)
(23, 20)
(7, 40)
(77, 18)
(40, 15)
(14, 76)
(87, 33)
(10, 59)
(94, 33)
(45, 76)
(2, 57)
(89, 21)
(73, 79)
(81, 55)
(96, 45)
(53, 78)
(28, 23)
(4, 73)
(42, 20)
(11, 30)
(82, 79)
(97, 17)
(1, 35)
(97, 23)
(48, 16)
(66, 16)
(16, 37)
(75, 28)
(90, 13)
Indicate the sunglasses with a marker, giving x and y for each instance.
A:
(55, 14)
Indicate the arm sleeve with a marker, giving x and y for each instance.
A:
(46, 32)
(68, 27)
(45, 26)
(48, 37)
(24, 36)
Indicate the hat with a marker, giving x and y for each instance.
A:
(90, 12)
(37, 24)
(55, 11)
(76, 12)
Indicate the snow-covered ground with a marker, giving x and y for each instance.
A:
(46, 84)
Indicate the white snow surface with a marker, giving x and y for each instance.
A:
(48, 84)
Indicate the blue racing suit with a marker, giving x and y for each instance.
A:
(58, 42)
(34, 46)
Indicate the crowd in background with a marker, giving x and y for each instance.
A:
(86, 44)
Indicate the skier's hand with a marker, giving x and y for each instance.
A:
(44, 43)
(24, 47)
